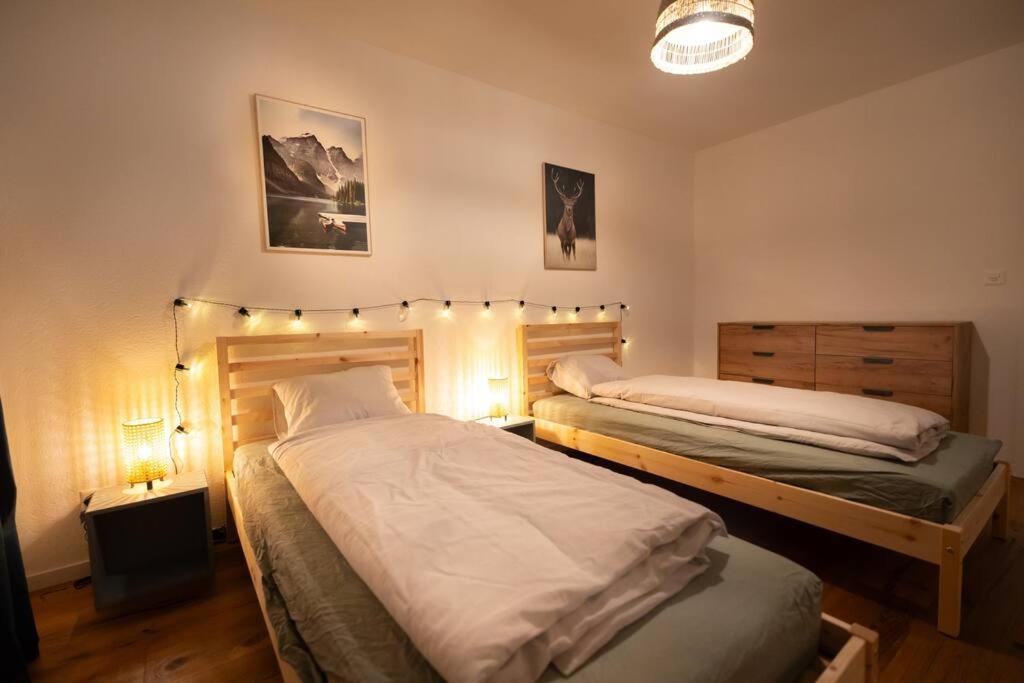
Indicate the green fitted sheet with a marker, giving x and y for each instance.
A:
(936, 488)
(753, 616)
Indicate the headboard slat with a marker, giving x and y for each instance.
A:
(249, 366)
(540, 344)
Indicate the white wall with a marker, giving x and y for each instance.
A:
(890, 206)
(130, 176)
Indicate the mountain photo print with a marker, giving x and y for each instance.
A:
(314, 178)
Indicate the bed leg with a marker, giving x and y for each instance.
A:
(230, 528)
(871, 641)
(1001, 516)
(951, 576)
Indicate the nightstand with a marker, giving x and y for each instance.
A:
(150, 547)
(517, 424)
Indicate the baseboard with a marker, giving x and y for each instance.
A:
(52, 577)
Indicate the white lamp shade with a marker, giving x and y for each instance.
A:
(145, 449)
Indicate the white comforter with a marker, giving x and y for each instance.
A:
(843, 422)
(496, 556)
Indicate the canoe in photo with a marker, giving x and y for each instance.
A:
(332, 221)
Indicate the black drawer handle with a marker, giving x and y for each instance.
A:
(879, 328)
(763, 354)
(763, 327)
(884, 393)
(762, 380)
(877, 360)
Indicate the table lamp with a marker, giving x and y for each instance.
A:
(498, 387)
(144, 442)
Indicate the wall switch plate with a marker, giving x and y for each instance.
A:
(995, 277)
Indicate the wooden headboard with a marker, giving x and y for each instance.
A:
(249, 366)
(540, 344)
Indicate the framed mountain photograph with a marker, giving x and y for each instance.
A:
(314, 179)
(570, 224)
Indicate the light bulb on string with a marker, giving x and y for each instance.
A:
(403, 311)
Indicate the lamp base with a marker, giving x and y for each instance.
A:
(146, 486)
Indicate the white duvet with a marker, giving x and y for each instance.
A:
(842, 422)
(495, 555)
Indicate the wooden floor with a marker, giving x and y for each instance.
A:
(222, 638)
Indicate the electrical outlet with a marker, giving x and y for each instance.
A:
(995, 277)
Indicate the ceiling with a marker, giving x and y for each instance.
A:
(592, 56)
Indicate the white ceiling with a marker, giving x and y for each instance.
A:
(592, 56)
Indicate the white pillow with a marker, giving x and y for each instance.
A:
(320, 400)
(579, 373)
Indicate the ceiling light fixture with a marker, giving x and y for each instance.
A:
(700, 36)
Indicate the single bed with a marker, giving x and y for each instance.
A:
(933, 510)
(752, 616)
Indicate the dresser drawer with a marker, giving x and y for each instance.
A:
(943, 405)
(886, 373)
(789, 365)
(792, 384)
(890, 341)
(795, 338)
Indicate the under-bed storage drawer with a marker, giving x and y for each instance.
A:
(921, 342)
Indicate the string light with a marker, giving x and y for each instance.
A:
(404, 305)
(448, 304)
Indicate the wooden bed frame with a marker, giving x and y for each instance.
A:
(944, 545)
(248, 366)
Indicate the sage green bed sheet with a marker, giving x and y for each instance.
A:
(936, 488)
(753, 616)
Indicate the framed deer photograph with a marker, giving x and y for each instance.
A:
(570, 219)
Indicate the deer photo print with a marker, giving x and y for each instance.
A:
(570, 225)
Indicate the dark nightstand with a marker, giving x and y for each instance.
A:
(150, 547)
(517, 424)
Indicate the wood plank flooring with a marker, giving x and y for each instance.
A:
(221, 637)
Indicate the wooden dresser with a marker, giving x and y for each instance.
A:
(921, 364)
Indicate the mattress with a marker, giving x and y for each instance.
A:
(935, 488)
(752, 616)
